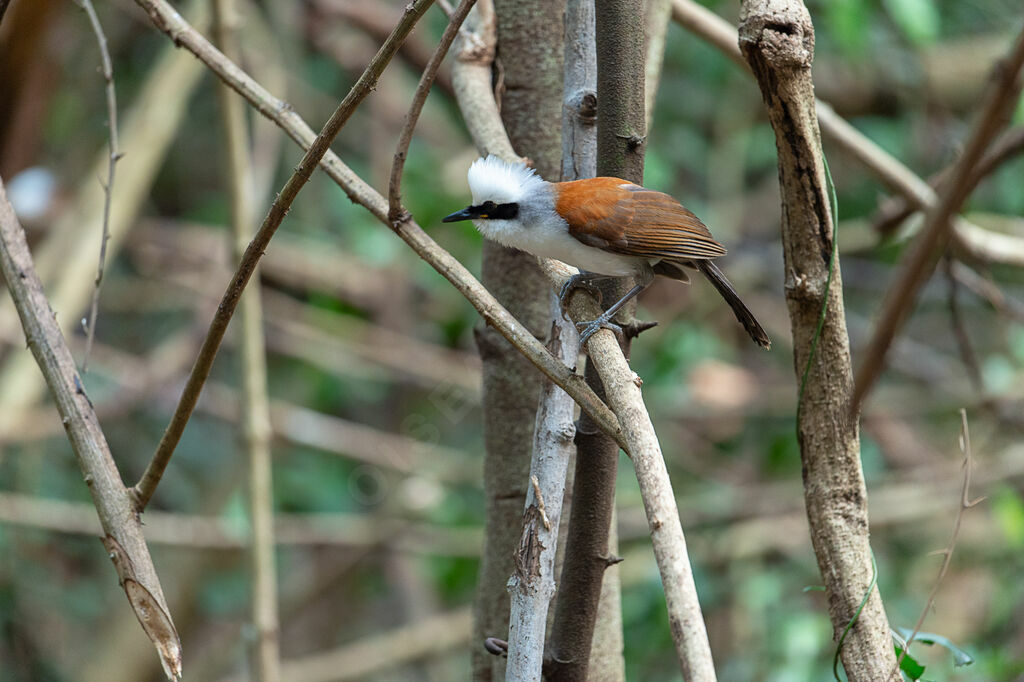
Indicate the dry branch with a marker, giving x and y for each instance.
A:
(229, 534)
(123, 538)
(532, 585)
(146, 486)
(108, 188)
(777, 39)
(396, 212)
(935, 234)
(166, 18)
(373, 655)
(947, 552)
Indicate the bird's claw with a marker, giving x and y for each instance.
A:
(577, 281)
(588, 329)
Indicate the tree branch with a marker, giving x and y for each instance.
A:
(532, 585)
(935, 234)
(146, 486)
(947, 552)
(890, 170)
(123, 530)
(777, 40)
(168, 20)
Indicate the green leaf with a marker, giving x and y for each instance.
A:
(918, 19)
(960, 657)
(909, 665)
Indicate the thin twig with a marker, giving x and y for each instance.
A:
(936, 231)
(146, 486)
(963, 339)
(965, 503)
(987, 290)
(396, 213)
(168, 20)
(108, 188)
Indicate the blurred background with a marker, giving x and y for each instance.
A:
(374, 378)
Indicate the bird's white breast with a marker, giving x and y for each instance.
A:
(546, 234)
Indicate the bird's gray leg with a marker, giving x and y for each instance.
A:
(588, 329)
(582, 280)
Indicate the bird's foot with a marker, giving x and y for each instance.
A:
(578, 281)
(588, 329)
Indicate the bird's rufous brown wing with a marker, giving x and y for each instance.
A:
(618, 216)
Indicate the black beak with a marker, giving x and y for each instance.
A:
(465, 214)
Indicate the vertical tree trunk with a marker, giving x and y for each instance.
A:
(620, 133)
(777, 39)
(530, 56)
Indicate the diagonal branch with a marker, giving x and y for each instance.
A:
(146, 486)
(935, 234)
(169, 21)
(890, 170)
(123, 530)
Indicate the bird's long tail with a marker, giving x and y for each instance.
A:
(743, 314)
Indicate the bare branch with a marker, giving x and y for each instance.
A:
(108, 188)
(146, 486)
(122, 528)
(1007, 147)
(166, 18)
(935, 234)
(396, 212)
(532, 585)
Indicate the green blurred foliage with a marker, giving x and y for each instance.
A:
(734, 464)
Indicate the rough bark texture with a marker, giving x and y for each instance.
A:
(122, 528)
(530, 54)
(621, 119)
(620, 129)
(532, 585)
(777, 39)
(586, 550)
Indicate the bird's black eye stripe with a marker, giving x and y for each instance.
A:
(504, 211)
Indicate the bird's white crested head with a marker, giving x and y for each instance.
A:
(497, 180)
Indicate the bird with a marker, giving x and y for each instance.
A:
(607, 227)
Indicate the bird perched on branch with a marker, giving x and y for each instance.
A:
(607, 227)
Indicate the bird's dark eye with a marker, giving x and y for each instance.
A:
(489, 206)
